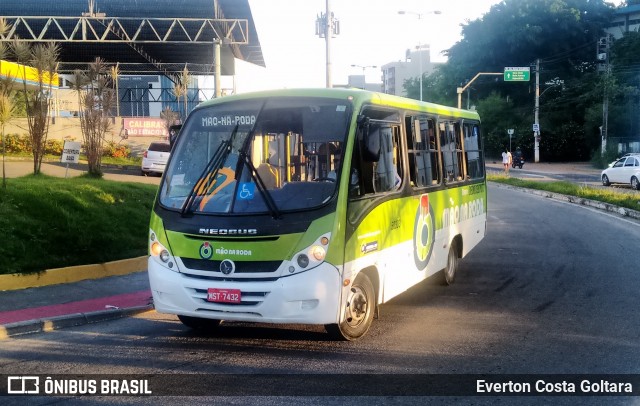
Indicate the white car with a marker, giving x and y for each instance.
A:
(623, 156)
(155, 158)
(624, 170)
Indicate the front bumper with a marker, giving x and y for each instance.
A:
(311, 297)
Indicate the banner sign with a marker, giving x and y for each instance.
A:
(145, 127)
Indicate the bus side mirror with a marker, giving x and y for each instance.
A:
(370, 138)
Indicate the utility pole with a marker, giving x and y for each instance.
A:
(327, 38)
(603, 51)
(326, 27)
(217, 67)
(536, 118)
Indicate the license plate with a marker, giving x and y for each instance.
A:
(223, 295)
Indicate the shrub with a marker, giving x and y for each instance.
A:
(54, 147)
(15, 144)
(111, 149)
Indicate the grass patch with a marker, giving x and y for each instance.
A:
(49, 222)
(618, 198)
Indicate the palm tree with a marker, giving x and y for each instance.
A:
(96, 98)
(115, 75)
(44, 59)
(7, 111)
(181, 89)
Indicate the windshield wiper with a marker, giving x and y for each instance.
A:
(271, 204)
(212, 168)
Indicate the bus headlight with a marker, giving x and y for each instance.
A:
(318, 252)
(159, 252)
(311, 256)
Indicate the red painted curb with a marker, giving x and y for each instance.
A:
(135, 299)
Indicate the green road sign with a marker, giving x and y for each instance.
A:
(517, 74)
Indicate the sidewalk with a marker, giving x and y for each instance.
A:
(49, 307)
(552, 168)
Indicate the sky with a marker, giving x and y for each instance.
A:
(372, 32)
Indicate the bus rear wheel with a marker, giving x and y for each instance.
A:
(359, 311)
(452, 264)
(199, 323)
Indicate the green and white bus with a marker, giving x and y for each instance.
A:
(313, 206)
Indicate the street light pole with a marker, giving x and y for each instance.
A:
(364, 77)
(536, 119)
(419, 47)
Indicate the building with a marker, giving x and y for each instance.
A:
(394, 74)
(360, 82)
(625, 19)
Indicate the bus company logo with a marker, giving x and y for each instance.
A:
(423, 233)
(206, 250)
(227, 267)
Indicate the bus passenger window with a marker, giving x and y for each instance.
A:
(473, 151)
(423, 155)
(451, 147)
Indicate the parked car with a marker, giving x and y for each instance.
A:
(624, 170)
(623, 156)
(155, 158)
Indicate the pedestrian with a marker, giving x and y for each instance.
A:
(506, 160)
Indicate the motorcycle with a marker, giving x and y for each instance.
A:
(518, 161)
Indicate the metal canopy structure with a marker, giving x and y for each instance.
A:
(142, 37)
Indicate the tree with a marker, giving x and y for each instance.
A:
(169, 116)
(44, 59)
(561, 33)
(96, 98)
(7, 112)
(7, 107)
(115, 75)
(181, 90)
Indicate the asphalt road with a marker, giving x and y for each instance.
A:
(551, 290)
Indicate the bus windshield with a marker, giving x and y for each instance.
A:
(268, 155)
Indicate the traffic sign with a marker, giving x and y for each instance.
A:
(517, 74)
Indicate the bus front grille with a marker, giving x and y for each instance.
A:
(245, 267)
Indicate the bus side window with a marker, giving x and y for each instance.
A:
(473, 151)
(423, 155)
(451, 147)
(385, 172)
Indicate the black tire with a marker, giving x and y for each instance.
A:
(199, 323)
(520, 166)
(449, 272)
(605, 180)
(634, 183)
(361, 305)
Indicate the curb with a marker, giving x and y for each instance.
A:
(611, 208)
(73, 274)
(69, 320)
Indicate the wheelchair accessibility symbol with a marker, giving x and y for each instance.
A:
(246, 191)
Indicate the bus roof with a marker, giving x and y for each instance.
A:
(359, 97)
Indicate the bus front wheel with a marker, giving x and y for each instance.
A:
(359, 311)
(199, 323)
